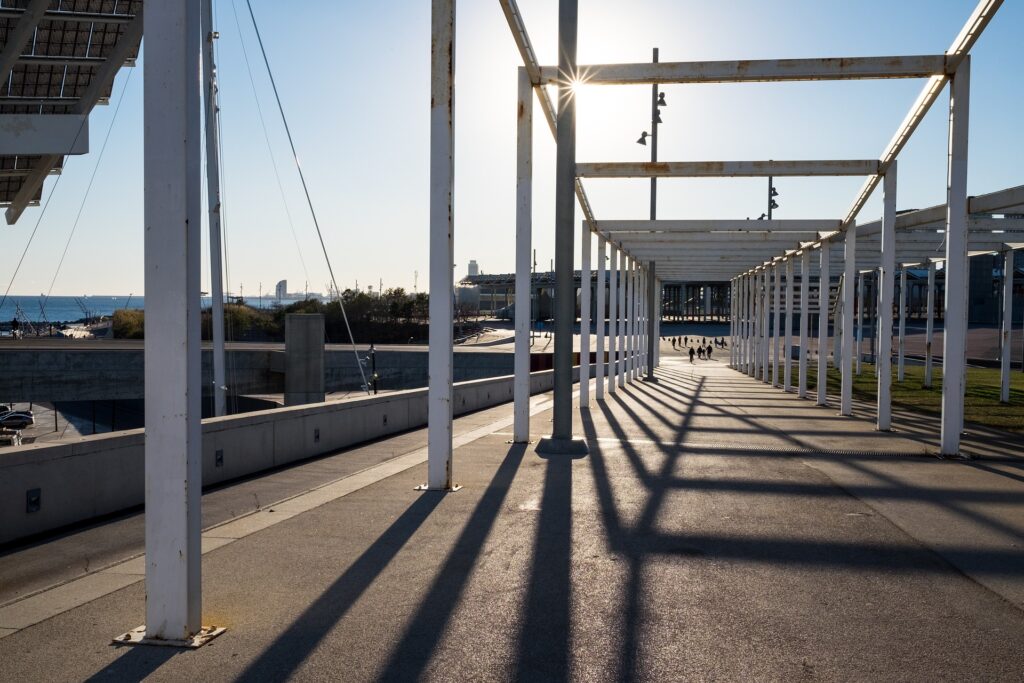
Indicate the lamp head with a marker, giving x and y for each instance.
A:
(643, 139)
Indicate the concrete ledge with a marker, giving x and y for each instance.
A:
(87, 477)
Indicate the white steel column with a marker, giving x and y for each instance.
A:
(860, 320)
(631, 321)
(766, 325)
(634, 319)
(954, 353)
(173, 380)
(755, 334)
(442, 228)
(660, 297)
(824, 283)
(213, 200)
(599, 317)
(585, 316)
(929, 330)
(732, 323)
(524, 230)
(787, 335)
(777, 327)
(620, 373)
(850, 256)
(805, 293)
(1004, 348)
(886, 283)
(902, 340)
(613, 318)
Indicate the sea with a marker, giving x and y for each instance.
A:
(69, 309)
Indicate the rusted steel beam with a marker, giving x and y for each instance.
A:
(758, 70)
(724, 169)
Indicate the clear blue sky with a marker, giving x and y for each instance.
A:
(354, 79)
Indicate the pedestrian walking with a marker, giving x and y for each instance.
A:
(691, 354)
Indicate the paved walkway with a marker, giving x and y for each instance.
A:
(719, 529)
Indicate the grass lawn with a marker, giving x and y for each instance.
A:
(981, 399)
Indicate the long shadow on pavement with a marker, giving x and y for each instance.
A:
(411, 656)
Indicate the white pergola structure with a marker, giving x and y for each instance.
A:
(763, 261)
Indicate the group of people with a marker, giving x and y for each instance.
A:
(703, 349)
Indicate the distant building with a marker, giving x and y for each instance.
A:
(474, 269)
(281, 290)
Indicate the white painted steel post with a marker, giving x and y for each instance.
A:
(805, 293)
(442, 228)
(929, 330)
(732, 323)
(213, 199)
(173, 381)
(565, 208)
(886, 283)
(631, 320)
(824, 283)
(766, 326)
(599, 328)
(524, 231)
(1004, 348)
(659, 298)
(850, 256)
(634, 362)
(787, 335)
(954, 353)
(585, 315)
(777, 327)
(860, 320)
(755, 324)
(613, 318)
(620, 373)
(902, 340)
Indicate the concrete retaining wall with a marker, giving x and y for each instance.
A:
(79, 479)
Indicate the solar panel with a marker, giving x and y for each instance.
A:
(58, 57)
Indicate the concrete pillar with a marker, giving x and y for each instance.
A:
(805, 278)
(442, 231)
(777, 327)
(903, 326)
(732, 323)
(172, 210)
(823, 306)
(752, 324)
(524, 231)
(599, 328)
(886, 283)
(303, 359)
(613, 319)
(929, 330)
(954, 354)
(850, 256)
(561, 440)
(630, 320)
(1007, 332)
(585, 315)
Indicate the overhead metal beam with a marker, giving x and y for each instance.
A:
(58, 15)
(711, 226)
(19, 36)
(726, 169)
(100, 82)
(753, 71)
(965, 40)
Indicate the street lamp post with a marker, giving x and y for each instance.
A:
(657, 100)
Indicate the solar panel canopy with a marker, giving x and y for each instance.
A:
(58, 58)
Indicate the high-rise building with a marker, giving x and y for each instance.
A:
(281, 290)
(474, 269)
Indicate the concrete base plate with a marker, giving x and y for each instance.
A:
(137, 636)
(425, 487)
(573, 447)
(652, 380)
